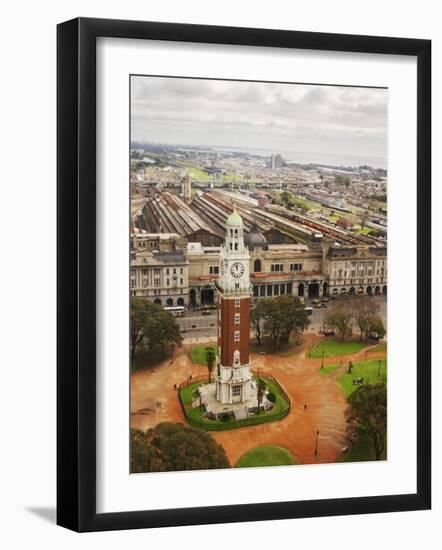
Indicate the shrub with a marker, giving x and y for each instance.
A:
(271, 397)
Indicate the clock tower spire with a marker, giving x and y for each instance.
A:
(233, 379)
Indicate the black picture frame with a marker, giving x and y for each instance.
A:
(76, 273)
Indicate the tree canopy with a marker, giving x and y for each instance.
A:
(277, 318)
(153, 327)
(360, 311)
(367, 411)
(173, 446)
(210, 356)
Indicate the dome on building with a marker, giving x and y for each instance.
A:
(255, 238)
(234, 220)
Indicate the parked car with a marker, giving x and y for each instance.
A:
(315, 301)
(328, 332)
(324, 299)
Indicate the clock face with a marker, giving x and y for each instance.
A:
(237, 270)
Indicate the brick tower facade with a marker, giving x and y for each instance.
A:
(233, 376)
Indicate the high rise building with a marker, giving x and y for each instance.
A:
(276, 162)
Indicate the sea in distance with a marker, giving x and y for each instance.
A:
(310, 157)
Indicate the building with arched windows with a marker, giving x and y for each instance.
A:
(174, 271)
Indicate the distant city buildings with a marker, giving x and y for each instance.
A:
(328, 239)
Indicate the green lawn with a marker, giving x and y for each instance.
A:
(198, 175)
(362, 451)
(329, 368)
(367, 369)
(195, 418)
(332, 348)
(378, 348)
(306, 203)
(198, 354)
(268, 455)
(364, 231)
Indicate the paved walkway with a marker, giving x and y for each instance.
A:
(154, 400)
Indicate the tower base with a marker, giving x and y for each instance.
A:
(214, 409)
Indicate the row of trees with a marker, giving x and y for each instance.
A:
(152, 328)
(279, 318)
(361, 312)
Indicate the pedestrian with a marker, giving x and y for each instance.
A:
(174, 386)
(305, 406)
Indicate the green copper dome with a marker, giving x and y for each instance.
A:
(234, 219)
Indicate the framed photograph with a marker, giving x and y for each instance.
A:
(243, 274)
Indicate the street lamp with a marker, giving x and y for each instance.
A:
(316, 445)
(379, 369)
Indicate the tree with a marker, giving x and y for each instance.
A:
(367, 412)
(278, 318)
(173, 446)
(210, 360)
(375, 324)
(287, 199)
(138, 320)
(261, 387)
(293, 316)
(257, 320)
(339, 317)
(364, 309)
(154, 327)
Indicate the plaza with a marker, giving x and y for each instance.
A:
(154, 399)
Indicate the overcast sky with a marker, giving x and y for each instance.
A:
(279, 117)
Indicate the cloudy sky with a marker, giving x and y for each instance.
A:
(276, 117)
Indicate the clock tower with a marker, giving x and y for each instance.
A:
(233, 377)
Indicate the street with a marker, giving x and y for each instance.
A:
(195, 327)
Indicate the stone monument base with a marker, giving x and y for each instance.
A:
(215, 409)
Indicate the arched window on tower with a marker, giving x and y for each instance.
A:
(236, 358)
(257, 266)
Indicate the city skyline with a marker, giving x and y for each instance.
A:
(302, 121)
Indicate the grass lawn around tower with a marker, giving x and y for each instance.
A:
(267, 455)
(366, 369)
(198, 354)
(332, 348)
(194, 415)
